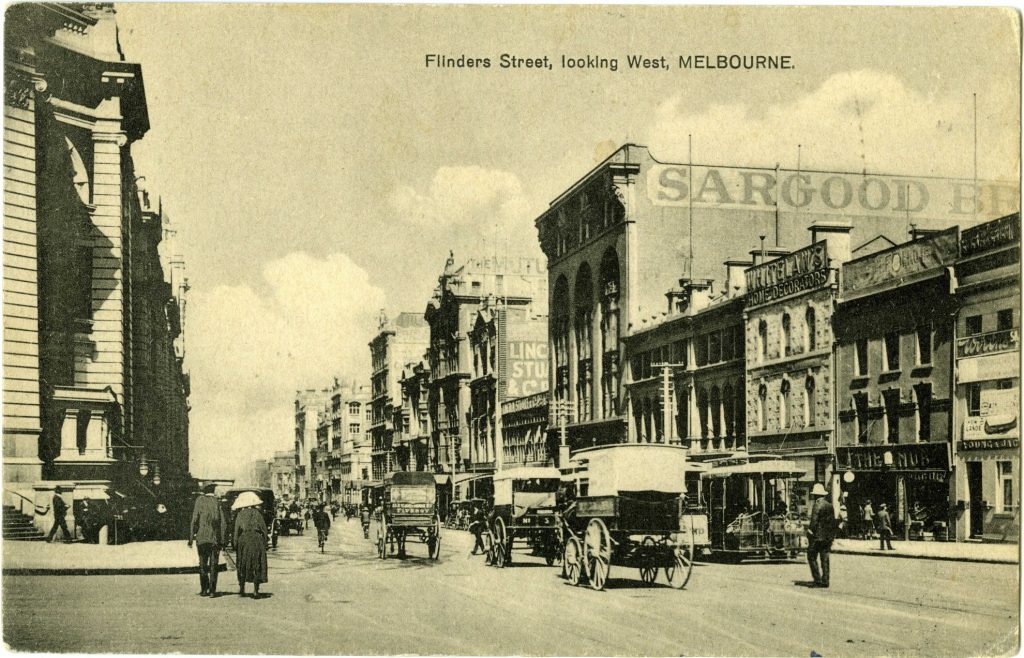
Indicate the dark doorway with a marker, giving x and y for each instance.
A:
(974, 491)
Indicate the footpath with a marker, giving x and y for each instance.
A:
(933, 550)
(149, 557)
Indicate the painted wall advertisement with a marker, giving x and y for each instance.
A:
(527, 368)
(801, 270)
(997, 420)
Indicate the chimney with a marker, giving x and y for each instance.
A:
(769, 254)
(735, 278)
(837, 234)
(917, 233)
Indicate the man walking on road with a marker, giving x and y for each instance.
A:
(60, 512)
(884, 525)
(208, 530)
(820, 533)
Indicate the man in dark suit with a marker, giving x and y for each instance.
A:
(820, 533)
(60, 512)
(208, 530)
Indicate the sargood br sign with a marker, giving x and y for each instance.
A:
(801, 270)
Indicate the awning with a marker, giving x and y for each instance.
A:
(442, 478)
(769, 468)
(459, 478)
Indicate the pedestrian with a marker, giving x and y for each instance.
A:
(820, 533)
(884, 526)
(306, 515)
(208, 530)
(250, 543)
(334, 511)
(323, 526)
(364, 519)
(869, 520)
(477, 526)
(60, 512)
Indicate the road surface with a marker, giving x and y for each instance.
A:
(346, 601)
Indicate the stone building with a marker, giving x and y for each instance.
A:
(451, 315)
(397, 342)
(789, 338)
(524, 431)
(987, 397)
(411, 453)
(894, 331)
(282, 475)
(95, 394)
(309, 404)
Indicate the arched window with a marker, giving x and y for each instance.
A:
(810, 337)
(584, 298)
(787, 347)
(810, 402)
(784, 404)
(609, 293)
(729, 411)
(715, 411)
(762, 341)
(762, 417)
(560, 337)
(702, 411)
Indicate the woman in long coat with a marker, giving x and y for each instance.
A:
(250, 543)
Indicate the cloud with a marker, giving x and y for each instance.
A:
(854, 120)
(461, 196)
(250, 350)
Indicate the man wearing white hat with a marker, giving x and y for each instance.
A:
(820, 533)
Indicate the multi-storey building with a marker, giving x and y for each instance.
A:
(259, 473)
(510, 360)
(894, 332)
(397, 343)
(95, 398)
(282, 475)
(789, 337)
(987, 399)
(308, 405)
(411, 453)
(451, 314)
(625, 232)
(524, 428)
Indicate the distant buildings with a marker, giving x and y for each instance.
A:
(282, 475)
(95, 391)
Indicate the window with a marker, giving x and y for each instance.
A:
(353, 408)
(861, 348)
(702, 350)
(353, 428)
(1004, 320)
(924, 411)
(973, 325)
(1005, 503)
(809, 330)
(810, 401)
(891, 399)
(762, 420)
(784, 404)
(716, 412)
(860, 408)
(1004, 384)
(974, 399)
(714, 347)
(786, 334)
(762, 340)
(924, 345)
(702, 411)
(892, 351)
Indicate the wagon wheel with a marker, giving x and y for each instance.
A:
(500, 543)
(572, 560)
(597, 548)
(682, 563)
(434, 540)
(648, 567)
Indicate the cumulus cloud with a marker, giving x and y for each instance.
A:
(854, 120)
(461, 196)
(249, 350)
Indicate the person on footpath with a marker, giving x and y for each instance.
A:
(869, 520)
(60, 512)
(250, 543)
(322, 522)
(208, 530)
(820, 534)
(477, 527)
(884, 526)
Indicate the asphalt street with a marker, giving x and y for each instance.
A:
(347, 601)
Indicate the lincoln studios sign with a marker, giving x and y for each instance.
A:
(801, 270)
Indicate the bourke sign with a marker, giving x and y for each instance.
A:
(527, 371)
(836, 193)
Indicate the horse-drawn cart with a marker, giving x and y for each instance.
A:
(526, 509)
(632, 512)
(409, 509)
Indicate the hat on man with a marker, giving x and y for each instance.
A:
(247, 499)
(819, 490)
(209, 487)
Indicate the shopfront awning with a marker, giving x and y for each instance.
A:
(442, 479)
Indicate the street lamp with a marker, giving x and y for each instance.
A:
(143, 466)
(156, 475)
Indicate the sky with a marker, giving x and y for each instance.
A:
(317, 171)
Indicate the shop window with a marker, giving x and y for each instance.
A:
(924, 411)
(810, 401)
(762, 341)
(891, 400)
(786, 334)
(974, 399)
(924, 345)
(1006, 502)
(1004, 320)
(809, 330)
(861, 348)
(892, 351)
(973, 325)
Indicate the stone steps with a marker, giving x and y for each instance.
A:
(19, 527)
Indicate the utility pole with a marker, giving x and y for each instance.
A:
(667, 408)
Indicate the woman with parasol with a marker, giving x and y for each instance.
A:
(250, 542)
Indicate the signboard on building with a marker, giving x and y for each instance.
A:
(801, 270)
(997, 418)
(989, 444)
(901, 262)
(895, 457)
(527, 369)
(986, 368)
(990, 235)
(830, 193)
(990, 343)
